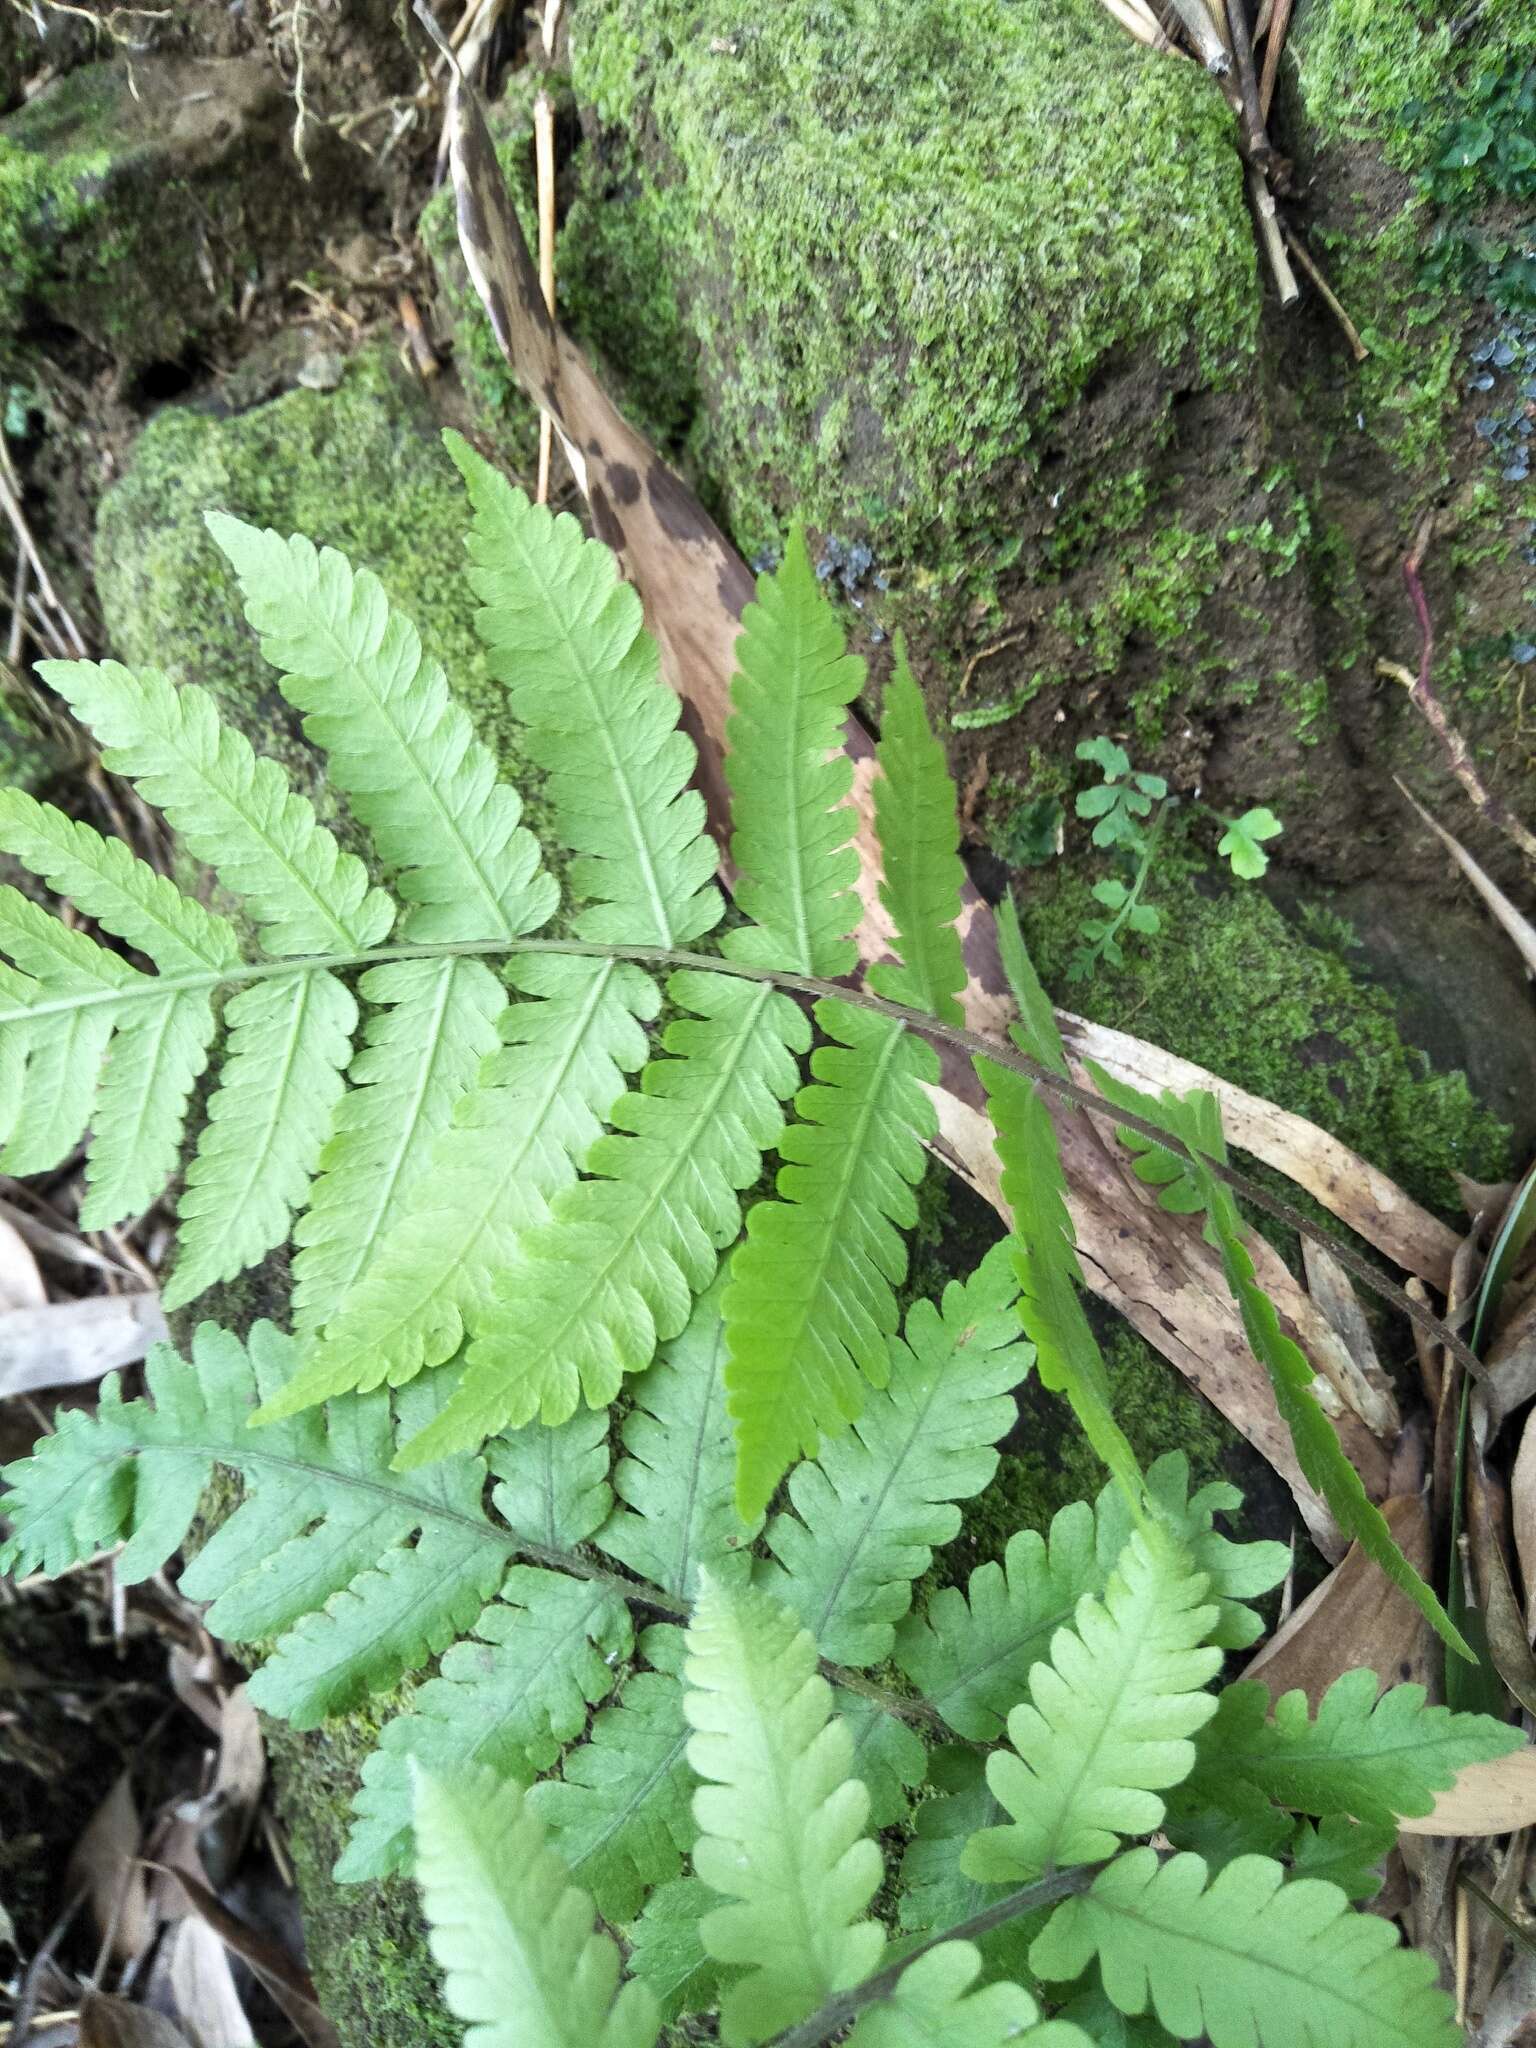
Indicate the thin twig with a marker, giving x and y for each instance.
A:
(1258, 151)
(544, 155)
(1421, 695)
(1197, 19)
(1279, 22)
(1299, 250)
(838, 2011)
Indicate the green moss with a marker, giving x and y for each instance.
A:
(887, 229)
(1234, 986)
(39, 200)
(360, 468)
(367, 1943)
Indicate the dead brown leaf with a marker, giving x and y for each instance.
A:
(1368, 1391)
(116, 2023)
(203, 1988)
(1508, 1643)
(1355, 1618)
(1510, 1379)
(105, 1864)
(289, 1985)
(21, 1284)
(1522, 1511)
(65, 1343)
(1492, 1798)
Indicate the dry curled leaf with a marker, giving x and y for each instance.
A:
(105, 1863)
(66, 1343)
(1492, 1798)
(116, 2023)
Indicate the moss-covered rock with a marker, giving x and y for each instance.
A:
(138, 200)
(360, 468)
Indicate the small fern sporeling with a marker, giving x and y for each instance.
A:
(640, 1482)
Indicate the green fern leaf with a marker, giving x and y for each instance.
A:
(677, 1482)
(1108, 1721)
(1035, 1187)
(1195, 1120)
(811, 1302)
(620, 1811)
(59, 1013)
(399, 746)
(934, 2006)
(1251, 1962)
(1348, 1853)
(887, 1754)
(970, 1656)
(615, 1268)
(320, 1514)
(514, 1140)
(1376, 1758)
(290, 1039)
(935, 1892)
(435, 1022)
(231, 810)
(541, 1654)
(1036, 1032)
(780, 1815)
(919, 837)
(567, 639)
(122, 893)
(789, 778)
(522, 1963)
(554, 1482)
(155, 1059)
(665, 1951)
(869, 1513)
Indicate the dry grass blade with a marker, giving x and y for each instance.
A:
(290, 1986)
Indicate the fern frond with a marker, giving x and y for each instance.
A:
(59, 1013)
(665, 1951)
(319, 1513)
(789, 777)
(233, 811)
(781, 1817)
(620, 1810)
(289, 1041)
(677, 1482)
(935, 1892)
(1035, 1187)
(1376, 1758)
(934, 2005)
(1108, 1721)
(155, 1058)
(1251, 1962)
(567, 638)
(970, 1654)
(399, 746)
(871, 1510)
(522, 1962)
(888, 1755)
(614, 1269)
(553, 1483)
(1348, 1853)
(1190, 1186)
(513, 1141)
(919, 837)
(541, 1654)
(1036, 1032)
(811, 1304)
(125, 895)
(432, 1024)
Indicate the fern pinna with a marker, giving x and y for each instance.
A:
(677, 1680)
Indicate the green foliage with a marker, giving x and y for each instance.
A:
(505, 1199)
(1251, 1959)
(781, 1816)
(1240, 843)
(1121, 801)
(1108, 1722)
(522, 1962)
